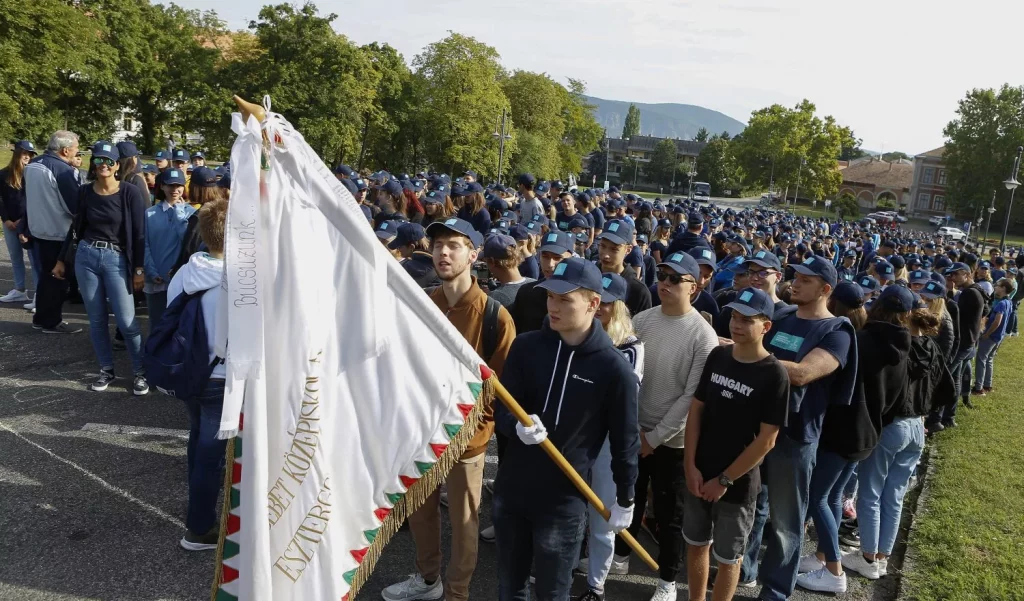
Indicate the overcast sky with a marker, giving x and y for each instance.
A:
(893, 70)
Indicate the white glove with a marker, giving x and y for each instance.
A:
(620, 518)
(535, 434)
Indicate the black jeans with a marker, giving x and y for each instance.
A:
(664, 470)
(960, 369)
(52, 292)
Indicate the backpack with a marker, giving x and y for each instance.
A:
(489, 337)
(177, 358)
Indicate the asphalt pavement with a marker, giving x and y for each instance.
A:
(93, 492)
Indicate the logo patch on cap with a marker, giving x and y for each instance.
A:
(175, 173)
(560, 269)
(809, 261)
(384, 225)
(676, 257)
(451, 222)
(552, 237)
(605, 282)
(760, 254)
(707, 254)
(614, 227)
(106, 147)
(865, 282)
(746, 296)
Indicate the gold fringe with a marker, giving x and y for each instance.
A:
(218, 573)
(422, 489)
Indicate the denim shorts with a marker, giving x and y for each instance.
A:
(724, 526)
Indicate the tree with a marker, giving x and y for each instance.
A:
(461, 100)
(846, 206)
(664, 163)
(537, 103)
(387, 124)
(583, 133)
(895, 156)
(981, 147)
(850, 145)
(702, 135)
(632, 125)
(631, 170)
(717, 166)
(725, 136)
(886, 202)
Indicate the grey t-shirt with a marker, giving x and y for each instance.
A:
(506, 294)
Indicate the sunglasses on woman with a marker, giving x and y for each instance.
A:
(673, 278)
(103, 161)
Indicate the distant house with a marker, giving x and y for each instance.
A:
(127, 127)
(641, 148)
(871, 180)
(928, 191)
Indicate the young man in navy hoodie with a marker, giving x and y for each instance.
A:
(580, 390)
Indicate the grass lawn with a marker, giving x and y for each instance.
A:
(967, 541)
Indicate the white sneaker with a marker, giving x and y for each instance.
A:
(413, 589)
(855, 561)
(31, 306)
(487, 535)
(810, 563)
(822, 581)
(666, 591)
(14, 296)
(619, 566)
(883, 567)
(489, 485)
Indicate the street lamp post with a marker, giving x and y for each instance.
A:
(692, 174)
(1011, 185)
(502, 134)
(799, 171)
(991, 210)
(607, 153)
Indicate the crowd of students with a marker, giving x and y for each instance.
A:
(706, 369)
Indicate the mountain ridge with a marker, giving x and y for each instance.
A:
(663, 119)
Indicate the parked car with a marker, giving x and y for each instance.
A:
(953, 233)
(881, 217)
(867, 221)
(937, 220)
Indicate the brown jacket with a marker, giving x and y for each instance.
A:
(468, 318)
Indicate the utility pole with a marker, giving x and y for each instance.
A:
(799, 171)
(502, 134)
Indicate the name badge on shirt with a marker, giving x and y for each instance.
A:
(787, 341)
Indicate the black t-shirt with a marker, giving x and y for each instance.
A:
(738, 398)
(103, 217)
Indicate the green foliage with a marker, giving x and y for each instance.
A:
(886, 202)
(664, 163)
(846, 206)
(702, 135)
(982, 146)
(849, 145)
(632, 125)
(895, 156)
(582, 133)
(717, 166)
(389, 126)
(777, 139)
(537, 103)
(632, 169)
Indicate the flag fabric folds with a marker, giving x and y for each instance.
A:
(358, 395)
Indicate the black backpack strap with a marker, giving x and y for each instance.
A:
(490, 331)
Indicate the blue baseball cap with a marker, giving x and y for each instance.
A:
(765, 259)
(933, 289)
(496, 203)
(704, 256)
(408, 233)
(751, 302)
(150, 169)
(618, 231)
(180, 155)
(344, 170)
(162, 155)
(519, 232)
(885, 270)
(613, 288)
(558, 242)
(955, 267)
(574, 273)
(665, 223)
(350, 186)
(682, 263)
(173, 177)
(578, 220)
(499, 246)
(919, 276)
(435, 196)
(106, 150)
(850, 253)
(25, 146)
(387, 229)
(694, 220)
(127, 149)
(360, 183)
(898, 299)
(510, 217)
(459, 226)
(898, 262)
(818, 267)
(868, 284)
(392, 187)
(942, 262)
(198, 155)
(850, 294)
(204, 176)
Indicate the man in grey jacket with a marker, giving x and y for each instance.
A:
(51, 199)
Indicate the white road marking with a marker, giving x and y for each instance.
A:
(114, 489)
(119, 429)
(9, 476)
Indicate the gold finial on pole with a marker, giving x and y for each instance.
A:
(248, 108)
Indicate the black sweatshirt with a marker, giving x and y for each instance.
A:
(971, 304)
(852, 431)
(583, 395)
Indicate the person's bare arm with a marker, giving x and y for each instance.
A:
(816, 365)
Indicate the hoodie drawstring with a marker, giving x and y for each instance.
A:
(561, 397)
(552, 383)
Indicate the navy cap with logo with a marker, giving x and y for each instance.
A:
(682, 263)
(25, 146)
(849, 293)
(499, 246)
(885, 270)
(617, 231)
(540, 219)
(868, 284)
(897, 298)
(850, 253)
(510, 217)
(955, 267)
(392, 187)
(704, 256)
(751, 302)
(613, 288)
(350, 186)
(360, 183)
(496, 203)
(127, 149)
(387, 230)
(694, 219)
(519, 232)
(459, 226)
(898, 262)
(527, 179)
(919, 276)
(204, 176)
(942, 263)
(106, 150)
(933, 289)
(408, 233)
(173, 177)
(162, 155)
(470, 173)
(558, 242)
(180, 155)
(344, 170)
(572, 274)
(534, 228)
(541, 188)
(198, 155)
(150, 169)
(666, 223)
(765, 259)
(818, 267)
(578, 220)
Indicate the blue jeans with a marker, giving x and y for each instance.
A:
(601, 543)
(748, 569)
(983, 364)
(884, 476)
(156, 304)
(539, 537)
(831, 473)
(17, 254)
(787, 473)
(205, 457)
(103, 274)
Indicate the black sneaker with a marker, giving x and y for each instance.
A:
(591, 595)
(62, 328)
(106, 379)
(141, 386)
(200, 542)
(850, 540)
(949, 423)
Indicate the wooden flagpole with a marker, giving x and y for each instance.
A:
(569, 471)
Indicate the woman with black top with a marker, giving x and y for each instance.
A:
(12, 212)
(472, 206)
(129, 168)
(110, 228)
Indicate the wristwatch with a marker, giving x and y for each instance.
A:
(724, 480)
(138, 272)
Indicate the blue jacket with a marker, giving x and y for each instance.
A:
(583, 395)
(51, 194)
(165, 228)
(481, 221)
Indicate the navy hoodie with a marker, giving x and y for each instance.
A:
(583, 395)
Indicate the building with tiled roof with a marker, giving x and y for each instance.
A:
(928, 192)
(870, 180)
